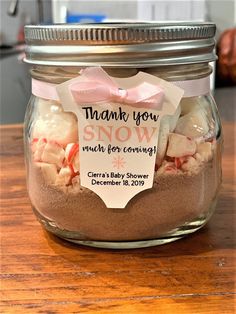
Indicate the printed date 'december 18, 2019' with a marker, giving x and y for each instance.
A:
(113, 178)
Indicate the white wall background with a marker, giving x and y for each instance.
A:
(222, 12)
(113, 9)
(177, 10)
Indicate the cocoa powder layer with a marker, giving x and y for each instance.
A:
(173, 201)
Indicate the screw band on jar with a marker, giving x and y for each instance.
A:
(129, 45)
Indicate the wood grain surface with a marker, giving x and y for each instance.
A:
(43, 274)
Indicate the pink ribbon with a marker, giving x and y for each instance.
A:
(97, 86)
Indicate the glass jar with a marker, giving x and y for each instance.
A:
(187, 173)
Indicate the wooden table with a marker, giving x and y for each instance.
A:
(43, 274)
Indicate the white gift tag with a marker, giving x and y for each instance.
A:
(117, 141)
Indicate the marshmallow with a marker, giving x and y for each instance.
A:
(53, 154)
(189, 104)
(49, 172)
(162, 140)
(167, 125)
(64, 176)
(180, 146)
(167, 167)
(205, 151)
(189, 164)
(59, 127)
(194, 124)
(174, 119)
(38, 148)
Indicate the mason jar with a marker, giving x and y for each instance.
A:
(122, 134)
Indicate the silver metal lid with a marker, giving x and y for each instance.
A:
(120, 45)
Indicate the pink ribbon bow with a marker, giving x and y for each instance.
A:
(98, 86)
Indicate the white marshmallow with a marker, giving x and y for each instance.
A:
(205, 151)
(174, 119)
(34, 145)
(167, 125)
(49, 172)
(189, 104)
(180, 145)
(53, 154)
(64, 176)
(194, 124)
(38, 148)
(198, 157)
(59, 127)
(190, 164)
(162, 140)
(167, 167)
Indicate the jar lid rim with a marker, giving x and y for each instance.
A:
(115, 44)
(113, 33)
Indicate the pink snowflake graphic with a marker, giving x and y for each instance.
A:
(118, 162)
